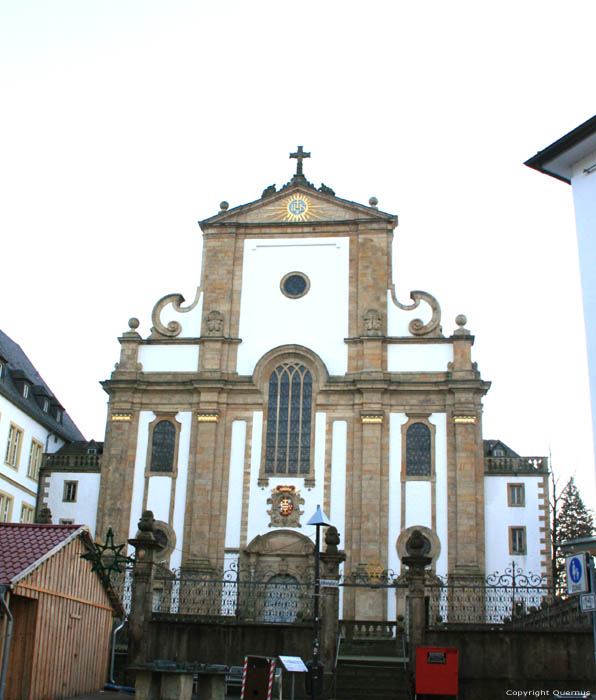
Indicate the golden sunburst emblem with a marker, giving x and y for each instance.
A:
(298, 207)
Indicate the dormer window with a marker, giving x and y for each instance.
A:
(25, 391)
(498, 452)
(58, 416)
(1, 369)
(46, 406)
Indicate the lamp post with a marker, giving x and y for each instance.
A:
(319, 519)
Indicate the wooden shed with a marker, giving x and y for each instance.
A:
(62, 612)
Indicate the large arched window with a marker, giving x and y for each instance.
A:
(418, 450)
(289, 414)
(163, 444)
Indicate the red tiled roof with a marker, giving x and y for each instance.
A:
(21, 545)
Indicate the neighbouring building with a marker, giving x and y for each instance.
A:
(296, 377)
(62, 613)
(572, 159)
(32, 422)
(69, 483)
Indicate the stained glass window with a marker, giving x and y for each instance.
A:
(162, 447)
(418, 450)
(287, 442)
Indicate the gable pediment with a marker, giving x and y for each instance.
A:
(297, 204)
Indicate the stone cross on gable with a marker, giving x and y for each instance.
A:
(300, 155)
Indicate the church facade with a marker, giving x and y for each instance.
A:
(296, 377)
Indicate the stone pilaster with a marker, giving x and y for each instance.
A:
(466, 460)
(119, 456)
(203, 524)
(371, 553)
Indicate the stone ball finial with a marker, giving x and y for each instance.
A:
(223, 205)
(373, 201)
(147, 521)
(331, 539)
(416, 544)
(133, 323)
(461, 320)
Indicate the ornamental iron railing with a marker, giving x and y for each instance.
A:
(254, 595)
(513, 599)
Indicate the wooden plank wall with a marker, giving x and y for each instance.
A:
(73, 626)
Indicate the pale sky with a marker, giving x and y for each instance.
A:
(123, 122)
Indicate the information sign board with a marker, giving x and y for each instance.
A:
(587, 602)
(577, 574)
(329, 583)
(293, 664)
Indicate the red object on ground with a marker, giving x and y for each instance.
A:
(436, 670)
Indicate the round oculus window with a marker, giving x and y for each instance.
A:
(295, 285)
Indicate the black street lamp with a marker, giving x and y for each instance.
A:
(319, 519)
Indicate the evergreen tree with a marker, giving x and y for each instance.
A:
(571, 519)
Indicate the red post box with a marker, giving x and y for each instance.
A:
(436, 670)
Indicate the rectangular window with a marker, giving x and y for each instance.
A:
(70, 491)
(27, 513)
(516, 495)
(517, 540)
(5, 507)
(13, 448)
(35, 455)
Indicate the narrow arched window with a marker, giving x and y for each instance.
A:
(418, 457)
(163, 444)
(289, 420)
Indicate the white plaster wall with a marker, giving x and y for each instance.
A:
(337, 514)
(169, 358)
(190, 320)
(499, 517)
(185, 419)
(418, 504)
(439, 420)
(84, 510)
(258, 519)
(584, 198)
(398, 320)
(9, 413)
(394, 526)
(136, 507)
(319, 320)
(235, 483)
(419, 357)
(159, 492)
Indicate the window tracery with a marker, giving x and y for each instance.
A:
(289, 418)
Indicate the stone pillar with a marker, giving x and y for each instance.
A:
(416, 562)
(142, 591)
(330, 560)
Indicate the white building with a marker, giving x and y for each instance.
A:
(32, 422)
(572, 159)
